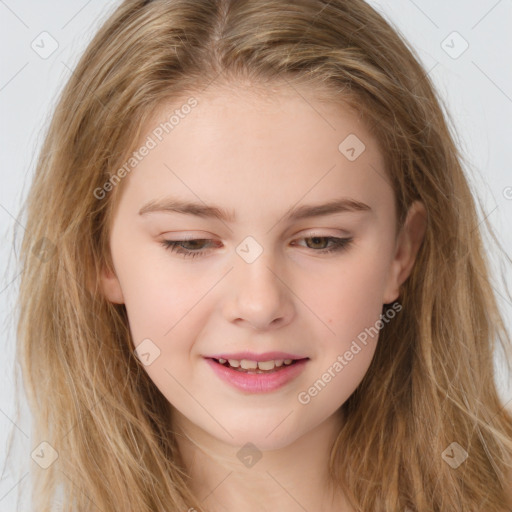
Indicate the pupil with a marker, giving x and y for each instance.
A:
(316, 239)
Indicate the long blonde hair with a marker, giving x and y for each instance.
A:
(431, 382)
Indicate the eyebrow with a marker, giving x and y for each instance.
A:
(172, 205)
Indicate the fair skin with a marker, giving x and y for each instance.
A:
(258, 157)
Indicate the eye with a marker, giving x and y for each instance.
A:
(175, 246)
(337, 245)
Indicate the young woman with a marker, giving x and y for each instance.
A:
(253, 274)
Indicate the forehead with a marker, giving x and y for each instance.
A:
(240, 146)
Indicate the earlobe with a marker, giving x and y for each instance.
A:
(408, 244)
(111, 287)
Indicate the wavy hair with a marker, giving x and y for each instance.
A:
(431, 381)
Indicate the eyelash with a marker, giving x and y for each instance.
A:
(339, 244)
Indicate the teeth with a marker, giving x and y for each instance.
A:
(247, 364)
(266, 365)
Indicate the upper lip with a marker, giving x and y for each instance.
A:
(251, 356)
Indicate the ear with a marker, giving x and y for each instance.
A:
(408, 243)
(110, 286)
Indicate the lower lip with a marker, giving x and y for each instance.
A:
(258, 382)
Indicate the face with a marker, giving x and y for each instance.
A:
(253, 272)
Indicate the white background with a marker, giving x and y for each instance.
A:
(476, 86)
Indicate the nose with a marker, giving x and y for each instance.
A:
(259, 295)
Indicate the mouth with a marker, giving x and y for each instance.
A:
(257, 367)
(254, 377)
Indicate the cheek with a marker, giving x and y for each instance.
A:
(349, 298)
(156, 294)
(155, 306)
(350, 304)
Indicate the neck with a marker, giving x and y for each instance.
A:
(292, 478)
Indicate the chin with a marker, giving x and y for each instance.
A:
(265, 437)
